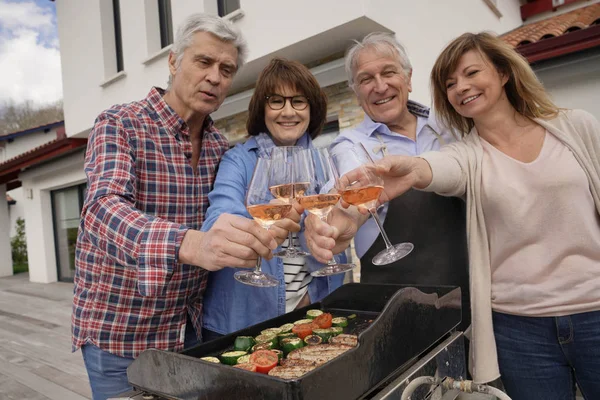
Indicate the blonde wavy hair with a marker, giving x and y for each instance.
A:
(523, 89)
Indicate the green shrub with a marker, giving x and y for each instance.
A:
(18, 245)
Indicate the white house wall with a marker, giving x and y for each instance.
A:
(65, 172)
(6, 266)
(574, 83)
(16, 210)
(268, 26)
(22, 144)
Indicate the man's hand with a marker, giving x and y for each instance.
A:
(233, 241)
(291, 223)
(326, 239)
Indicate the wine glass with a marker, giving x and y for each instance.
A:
(266, 210)
(317, 199)
(287, 185)
(364, 193)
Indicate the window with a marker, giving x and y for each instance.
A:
(227, 6)
(166, 23)
(118, 38)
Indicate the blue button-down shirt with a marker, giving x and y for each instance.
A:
(377, 139)
(229, 305)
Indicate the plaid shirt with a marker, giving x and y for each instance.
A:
(143, 195)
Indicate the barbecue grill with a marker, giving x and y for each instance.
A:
(403, 332)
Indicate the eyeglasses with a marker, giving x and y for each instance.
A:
(277, 102)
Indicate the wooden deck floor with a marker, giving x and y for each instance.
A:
(36, 362)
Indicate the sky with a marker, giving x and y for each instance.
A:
(29, 52)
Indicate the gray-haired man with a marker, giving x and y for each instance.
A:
(380, 72)
(141, 260)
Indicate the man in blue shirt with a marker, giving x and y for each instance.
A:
(379, 72)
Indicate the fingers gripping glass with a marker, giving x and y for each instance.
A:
(364, 192)
(318, 199)
(265, 210)
(277, 102)
(287, 183)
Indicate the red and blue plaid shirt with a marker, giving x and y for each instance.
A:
(131, 293)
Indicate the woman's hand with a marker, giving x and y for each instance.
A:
(291, 223)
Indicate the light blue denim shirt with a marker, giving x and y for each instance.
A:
(373, 135)
(229, 305)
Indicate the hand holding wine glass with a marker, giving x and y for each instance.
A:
(361, 187)
(266, 210)
(319, 201)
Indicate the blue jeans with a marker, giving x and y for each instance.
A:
(108, 372)
(541, 358)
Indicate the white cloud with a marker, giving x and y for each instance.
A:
(29, 55)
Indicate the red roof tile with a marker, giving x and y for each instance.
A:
(555, 26)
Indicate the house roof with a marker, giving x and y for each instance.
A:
(557, 35)
(9, 169)
(51, 125)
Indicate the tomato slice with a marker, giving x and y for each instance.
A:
(324, 320)
(265, 360)
(246, 366)
(303, 330)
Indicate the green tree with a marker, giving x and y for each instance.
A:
(19, 248)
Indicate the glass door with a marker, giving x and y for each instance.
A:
(66, 211)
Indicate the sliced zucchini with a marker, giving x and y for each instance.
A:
(262, 346)
(336, 330)
(290, 344)
(351, 316)
(269, 337)
(243, 343)
(244, 359)
(231, 357)
(312, 340)
(340, 321)
(286, 328)
(312, 314)
(303, 321)
(271, 331)
(284, 335)
(279, 353)
(324, 334)
(211, 359)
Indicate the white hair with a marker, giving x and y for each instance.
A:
(223, 29)
(381, 43)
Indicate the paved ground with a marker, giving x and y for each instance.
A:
(36, 362)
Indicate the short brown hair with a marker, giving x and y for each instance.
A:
(524, 91)
(277, 74)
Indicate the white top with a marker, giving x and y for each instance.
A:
(297, 277)
(543, 232)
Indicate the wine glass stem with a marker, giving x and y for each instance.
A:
(324, 219)
(375, 216)
(257, 268)
(290, 241)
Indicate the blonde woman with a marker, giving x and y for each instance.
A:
(530, 173)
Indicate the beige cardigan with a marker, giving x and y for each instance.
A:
(457, 172)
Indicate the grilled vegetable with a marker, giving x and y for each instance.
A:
(312, 314)
(324, 320)
(286, 328)
(243, 343)
(291, 372)
(312, 340)
(265, 360)
(211, 359)
(271, 331)
(231, 357)
(303, 321)
(269, 337)
(336, 330)
(340, 321)
(351, 316)
(291, 344)
(279, 353)
(247, 366)
(325, 334)
(244, 359)
(344, 339)
(262, 346)
(303, 330)
(285, 335)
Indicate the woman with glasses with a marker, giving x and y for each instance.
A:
(288, 108)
